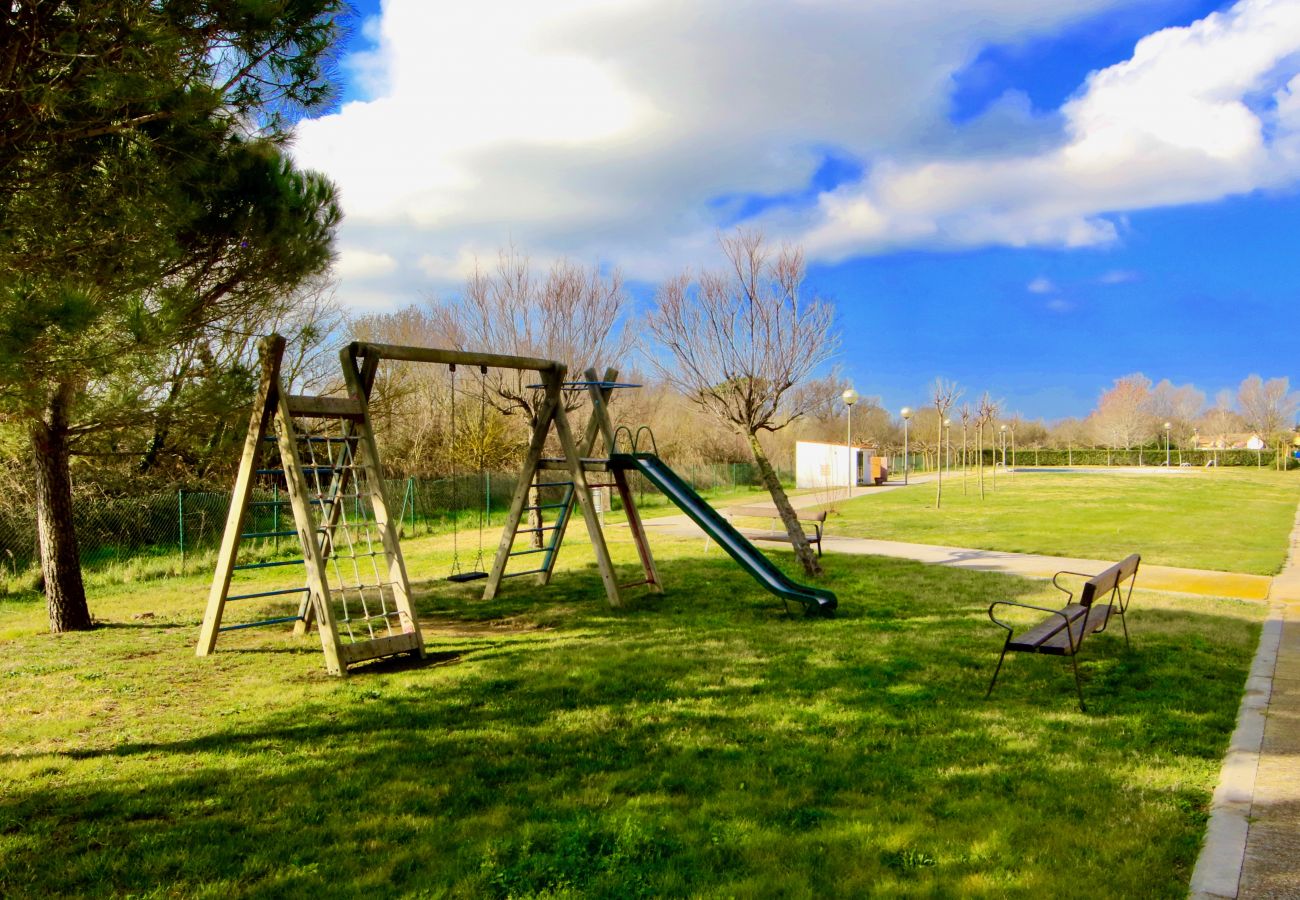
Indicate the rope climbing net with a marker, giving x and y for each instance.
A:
(360, 590)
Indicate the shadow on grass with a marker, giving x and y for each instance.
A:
(701, 743)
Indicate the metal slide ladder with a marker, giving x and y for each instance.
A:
(554, 530)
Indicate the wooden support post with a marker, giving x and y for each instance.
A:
(271, 351)
(522, 489)
(308, 537)
(603, 561)
(368, 454)
(585, 450)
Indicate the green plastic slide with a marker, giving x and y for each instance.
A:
(816, 601)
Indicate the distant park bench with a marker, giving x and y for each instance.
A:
(815, 522)
(1063, 631)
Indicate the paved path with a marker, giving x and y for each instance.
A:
(1252, 844)
(1156, 578)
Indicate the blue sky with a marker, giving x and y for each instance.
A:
(1017, 196)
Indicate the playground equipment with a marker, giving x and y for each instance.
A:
(335, 489)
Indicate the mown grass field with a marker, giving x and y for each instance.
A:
(699, 743)
(1230, 520)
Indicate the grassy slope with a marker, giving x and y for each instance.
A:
(699, 743)
(1233, 521)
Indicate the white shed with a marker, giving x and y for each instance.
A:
(822, 466)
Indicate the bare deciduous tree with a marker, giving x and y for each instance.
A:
(1123, 414)
(987, 414)
(573, 314)
(944, 394)
(965, 427)
(739, 342)
(1268, 406)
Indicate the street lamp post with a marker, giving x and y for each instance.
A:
(1003, 430)
(906, 413)
(1168, 425)
(947, 436)
(1013, 445)
(850, 397)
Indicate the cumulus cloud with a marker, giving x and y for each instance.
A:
(1041, 285)
(355, 263)
(604, 129)
(1179, 122)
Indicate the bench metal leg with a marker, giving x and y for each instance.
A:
(1074, 663)
(999, 668)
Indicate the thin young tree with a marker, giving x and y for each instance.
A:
(943, 394)
(987, 414)
(738, 342)
(965, 426)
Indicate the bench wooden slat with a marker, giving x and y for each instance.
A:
(1080, 627)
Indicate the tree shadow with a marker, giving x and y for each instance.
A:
(702, 745)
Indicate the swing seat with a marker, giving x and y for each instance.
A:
(467, 576)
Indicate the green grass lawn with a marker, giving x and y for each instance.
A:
(1226, 520)
(699, 743)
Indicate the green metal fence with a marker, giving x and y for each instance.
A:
(191, 522)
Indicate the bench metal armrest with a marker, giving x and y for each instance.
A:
(1056, 584)
(1008, 627)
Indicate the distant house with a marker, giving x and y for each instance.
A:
(1241, 440)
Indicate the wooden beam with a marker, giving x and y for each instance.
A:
(270, 352)
(458, 357)
(522, 489)
(300, 501)
(600, 420)
(590, 464)
(302, 406)
(583, 492)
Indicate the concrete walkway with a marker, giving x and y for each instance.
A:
(1156, 578)
(1252, 843)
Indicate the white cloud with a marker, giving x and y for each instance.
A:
(1174, 124)
(1117, 276)
(1041, 285)
(601, 129)
(354, 263)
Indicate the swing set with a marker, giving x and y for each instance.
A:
(323, 454)
(357, 591)
(476, 572)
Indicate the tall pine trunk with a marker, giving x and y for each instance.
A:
(802, 549)
(65, 594)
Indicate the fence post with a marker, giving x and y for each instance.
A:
(275, 514)
(410, 499)
(180, 524)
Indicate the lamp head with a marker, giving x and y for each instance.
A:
(906, 412)
(1168, 425)
(849, 396)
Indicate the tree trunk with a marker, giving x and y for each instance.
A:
(65, 594)
(802, 549)
(963, 461)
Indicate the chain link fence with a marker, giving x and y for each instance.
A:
(190, 523)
